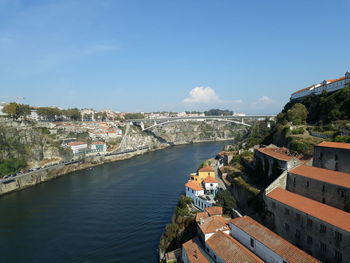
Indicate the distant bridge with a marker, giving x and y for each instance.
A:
(229, 119)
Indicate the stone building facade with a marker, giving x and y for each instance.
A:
(320, 230)
(322, 185)
(333, 156)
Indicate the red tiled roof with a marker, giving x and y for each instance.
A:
(201, 215)
(230, 250)
(277, 244)
(335, 80)
(324, 175)
(194, 185)
(273, 152)
(194, 253)
(214, 210)
(213, 224)
(209, 179)
(339, 145)
(206, 169)
(301, 90)
(329, 214)
(76, 143)
(98, 143)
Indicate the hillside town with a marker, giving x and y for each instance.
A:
(290, 204)
(308, 207)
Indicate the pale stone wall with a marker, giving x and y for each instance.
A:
(330, 194)
(299, 231)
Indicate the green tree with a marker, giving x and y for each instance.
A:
(16, 111)
(73, 114)
(130, 116)
(226, 201)
(297, 114)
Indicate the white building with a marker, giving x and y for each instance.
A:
(2, 105)
(203, 193)
(266, 244)
(78, 147)
(98, 147)
(327, 85)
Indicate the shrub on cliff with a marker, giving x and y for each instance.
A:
(297, 114)
(11, 166)
(226, 201)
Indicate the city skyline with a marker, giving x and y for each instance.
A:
(131, 56)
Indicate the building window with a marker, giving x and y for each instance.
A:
(336, 157)
(323, 200)
(323, 188)
(338, 257)
(251, 242)
(341, 193)
(323, 228)
(297, 217)
(307, 184)
(297, 234)
(273, 205)
(336, 168)
(323, 247)
(294, 181)
(309, 240)
(286, 211)
(321, 156)
(309, 222)
(338, 236)
(286, 227)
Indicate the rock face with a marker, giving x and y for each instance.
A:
(135, 138)
(27, 142)
(190, 131)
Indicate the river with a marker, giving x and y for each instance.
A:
(112, 213)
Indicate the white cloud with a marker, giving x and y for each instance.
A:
(265, 103)
(202, 95)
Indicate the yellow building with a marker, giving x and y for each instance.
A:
(202, 173)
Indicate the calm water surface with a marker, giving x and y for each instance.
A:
(112, 213)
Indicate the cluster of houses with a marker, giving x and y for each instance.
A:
(202, 187)
(242, 239)
(308, 207)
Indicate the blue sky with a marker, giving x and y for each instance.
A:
(154, 55)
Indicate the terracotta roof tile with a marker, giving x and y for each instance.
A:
(324, 175)
(273, 152)
(277, 244)
(230, 250)
(194, 186)
(76, 143)
(209, 179)
(201, 215)
(206, 169)
(213, 224)
(214, 210)
(339, 145)
(194, 253)
(328, 214)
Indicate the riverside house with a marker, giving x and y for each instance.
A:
(203, 193)
(202, 173)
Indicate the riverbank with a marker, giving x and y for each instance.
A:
(42, 176)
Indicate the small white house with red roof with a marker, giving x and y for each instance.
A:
(78, 147)
(203, 193)
(98, 146)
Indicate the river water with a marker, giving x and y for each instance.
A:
(112, 213)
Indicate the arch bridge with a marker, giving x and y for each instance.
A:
(239, 120)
